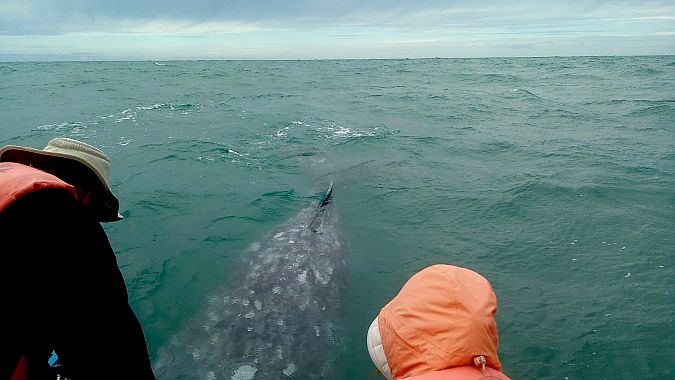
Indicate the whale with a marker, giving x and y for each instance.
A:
(279, 316)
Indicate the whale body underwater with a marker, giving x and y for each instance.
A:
(279, 317)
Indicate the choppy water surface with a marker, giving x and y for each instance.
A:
(553, 177)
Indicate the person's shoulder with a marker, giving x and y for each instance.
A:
(46, 204)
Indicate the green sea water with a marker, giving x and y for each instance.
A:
(553, 177)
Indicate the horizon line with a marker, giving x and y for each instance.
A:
(327, 59)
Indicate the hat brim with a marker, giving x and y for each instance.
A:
(72, 170)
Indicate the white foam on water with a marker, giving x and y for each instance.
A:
(257, 304)
(152, 107)
(245, 372)
(240, 155)
(342, 131)
(124, 141)
(249, 315)
(290, 369)
(128, 114)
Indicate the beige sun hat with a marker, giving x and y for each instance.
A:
(79, 164)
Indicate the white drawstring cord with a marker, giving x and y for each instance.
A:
(479, 361)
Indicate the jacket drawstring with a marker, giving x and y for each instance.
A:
(479, 361)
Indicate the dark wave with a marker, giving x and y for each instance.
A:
(280, 195)
(655, 110)
(527, 94)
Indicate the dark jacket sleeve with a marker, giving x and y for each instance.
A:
(65, 292)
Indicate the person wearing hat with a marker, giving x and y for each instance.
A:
(66, 312)
(440, 326)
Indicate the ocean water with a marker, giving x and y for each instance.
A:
(553, 177)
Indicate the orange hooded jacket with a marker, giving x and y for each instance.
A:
(440, 326)
(17, 180)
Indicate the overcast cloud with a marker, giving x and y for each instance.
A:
(209, 29)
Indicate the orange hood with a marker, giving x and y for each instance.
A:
(443, 317)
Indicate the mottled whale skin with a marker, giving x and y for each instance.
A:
(280, 318)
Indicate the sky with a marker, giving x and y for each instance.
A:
(320, 29)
